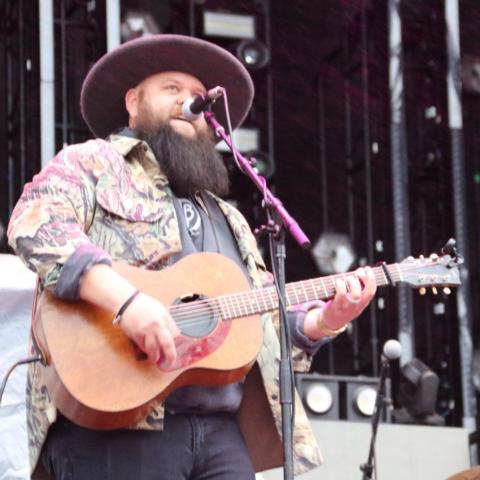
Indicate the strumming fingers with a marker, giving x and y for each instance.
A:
(151, 347)
(167, 345)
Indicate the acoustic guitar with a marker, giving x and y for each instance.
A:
(98, 378)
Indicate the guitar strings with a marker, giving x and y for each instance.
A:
(187, 314)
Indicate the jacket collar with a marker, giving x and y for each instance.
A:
(127, 144)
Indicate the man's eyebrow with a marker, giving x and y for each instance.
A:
(170, 79)
(200, 89)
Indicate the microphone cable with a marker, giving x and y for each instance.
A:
(23, 361)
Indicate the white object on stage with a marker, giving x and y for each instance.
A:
(17, 285)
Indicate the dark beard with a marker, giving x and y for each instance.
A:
(191, 165)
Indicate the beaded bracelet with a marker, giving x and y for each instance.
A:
(121, 310)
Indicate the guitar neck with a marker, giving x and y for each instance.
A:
(321, 288)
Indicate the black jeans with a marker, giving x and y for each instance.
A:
(200, 447)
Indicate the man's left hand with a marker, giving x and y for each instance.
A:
(353, 293)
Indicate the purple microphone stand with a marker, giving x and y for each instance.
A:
(276, 232)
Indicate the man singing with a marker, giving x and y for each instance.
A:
(147, 191)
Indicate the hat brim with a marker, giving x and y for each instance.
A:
(102, 98)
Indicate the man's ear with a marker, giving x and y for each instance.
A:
(131, 103)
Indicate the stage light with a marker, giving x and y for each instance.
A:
(318, 398)
(263, 163)
(245, 139)
(364, 400)
(470, 74)
(333, 253)
(419, 388)
(320, 395)
(335, 397)
(361, 394)
(230, 25)
(253, 54)
(418, 395)
(138, 23)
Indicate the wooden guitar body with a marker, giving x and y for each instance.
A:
(94, 373)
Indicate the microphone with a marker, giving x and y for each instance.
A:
(392, 349)
(192, 108)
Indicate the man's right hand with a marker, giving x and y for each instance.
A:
(147, 322)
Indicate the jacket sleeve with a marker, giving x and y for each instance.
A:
(54, 212)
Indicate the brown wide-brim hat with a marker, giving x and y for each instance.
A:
(102, 99)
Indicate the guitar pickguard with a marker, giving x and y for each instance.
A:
(192, 349)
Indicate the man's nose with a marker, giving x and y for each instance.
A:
(184, 95)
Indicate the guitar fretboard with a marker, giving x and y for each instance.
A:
(322, 288)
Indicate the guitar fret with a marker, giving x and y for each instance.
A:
(273, 298)
(224, 308)
(315, 292)
(262, 306)
(234, 308)
(297, 301)
(238, 297)
(331, 287)
(243, 304)
(304, 291)
(400, 276)
(385, 278)
(255, 296)
(224, 314)
(324, 288)
(250, 305)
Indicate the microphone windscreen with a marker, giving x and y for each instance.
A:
(187, 110)
(392, 349)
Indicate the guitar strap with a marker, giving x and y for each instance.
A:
(224, 237)
(37, 345)
(212, 235)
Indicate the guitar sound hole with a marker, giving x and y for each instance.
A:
(197, 317)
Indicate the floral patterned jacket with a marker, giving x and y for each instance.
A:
(113, 194)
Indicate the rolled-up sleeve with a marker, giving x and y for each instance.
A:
(54, 212)
(296, 319)
(72, 272)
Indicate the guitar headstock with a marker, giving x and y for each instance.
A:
(434, 271)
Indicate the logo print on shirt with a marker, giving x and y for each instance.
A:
(192, 218)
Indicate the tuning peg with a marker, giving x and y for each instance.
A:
(434, 290)
(422, 291)
(447, 291)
